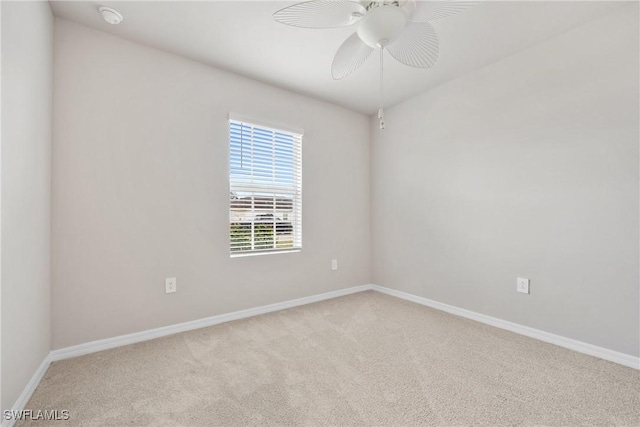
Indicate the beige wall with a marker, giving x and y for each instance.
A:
(140, 191)
(527, 167)
(27, 42)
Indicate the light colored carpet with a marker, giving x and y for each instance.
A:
(363, 359)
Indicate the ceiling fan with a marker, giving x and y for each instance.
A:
(401, 27)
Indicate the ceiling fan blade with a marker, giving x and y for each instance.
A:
(350, 55)
(321, 14)
(417, 46)
(430, 10)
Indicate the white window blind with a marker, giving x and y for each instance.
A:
(265, 176)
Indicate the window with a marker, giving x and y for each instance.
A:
(265, 192)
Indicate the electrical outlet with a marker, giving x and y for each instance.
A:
(170, 285)
(523, 285)
(334, 264)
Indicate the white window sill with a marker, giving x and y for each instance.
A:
(248, 254)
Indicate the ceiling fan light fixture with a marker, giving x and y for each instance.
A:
(382, 25)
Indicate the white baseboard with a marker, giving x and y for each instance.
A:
(579, 346)
(24, 397)
(104, 344)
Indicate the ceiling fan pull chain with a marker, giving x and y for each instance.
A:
(381, 110)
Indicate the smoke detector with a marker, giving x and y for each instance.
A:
(111, 16)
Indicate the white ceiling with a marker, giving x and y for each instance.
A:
(242, 37)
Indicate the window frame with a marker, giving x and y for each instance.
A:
(273, 190)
